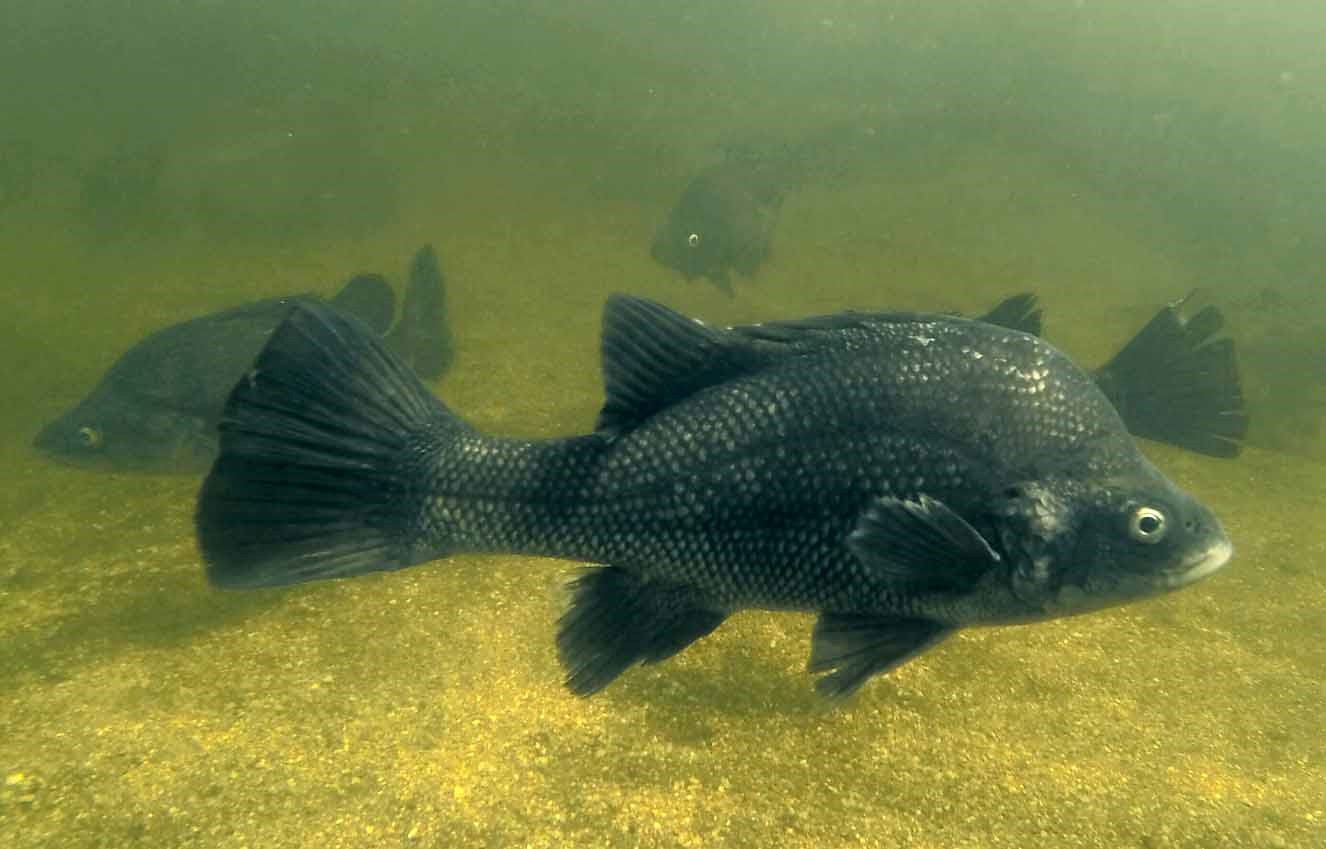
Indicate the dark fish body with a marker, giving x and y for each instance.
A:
(901, 475)
(157, 408)
(723, 222)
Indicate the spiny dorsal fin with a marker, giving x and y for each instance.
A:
(1019, 312)
(654, 357)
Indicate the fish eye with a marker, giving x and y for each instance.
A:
(1147, 524)
(89, 437)
(693, 240)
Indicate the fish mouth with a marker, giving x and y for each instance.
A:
(53, 440)
(1200, 564)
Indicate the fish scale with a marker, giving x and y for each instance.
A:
(903, 476)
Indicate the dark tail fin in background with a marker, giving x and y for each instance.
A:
(322, 465)
(1020, 312)
(1175, 383)
(421, 337)
(368, 297)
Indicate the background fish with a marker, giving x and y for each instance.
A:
(724, 221)
(901, 475)
(156, 409)
(1177, 381)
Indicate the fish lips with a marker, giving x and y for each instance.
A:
(54, 438)
(1199, 564)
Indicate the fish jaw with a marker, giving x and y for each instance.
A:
(1200, 564)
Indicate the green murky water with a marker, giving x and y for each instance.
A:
(163, 160)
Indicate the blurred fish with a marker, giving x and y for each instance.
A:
(156, 409)
(1177, 381)
(723, 222)
(901, 475)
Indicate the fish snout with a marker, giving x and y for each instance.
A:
(1201, 563)
(54, 438)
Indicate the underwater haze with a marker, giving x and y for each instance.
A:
(160, 161)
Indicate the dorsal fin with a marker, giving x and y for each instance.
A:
(654, 357)
(812, 331)
(1020, 312)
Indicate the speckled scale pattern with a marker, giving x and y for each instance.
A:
(746, 491)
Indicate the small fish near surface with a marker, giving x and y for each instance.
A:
(903, 476)
(723, 222)
(157, 408)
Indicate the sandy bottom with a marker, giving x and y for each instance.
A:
(143, 708)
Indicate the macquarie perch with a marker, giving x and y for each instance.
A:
(157, 407)
(901, 475)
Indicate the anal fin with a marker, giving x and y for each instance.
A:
(617, 619)
(854, 647)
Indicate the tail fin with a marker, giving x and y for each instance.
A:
(422, 337)
(323, 449)
(1020, 312)
(1174, 383)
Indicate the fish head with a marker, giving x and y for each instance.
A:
(687, 244)
(109, 436)
(1081, 547)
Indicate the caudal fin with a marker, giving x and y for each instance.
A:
(323, 447)
(421, 337)
(1175, 382)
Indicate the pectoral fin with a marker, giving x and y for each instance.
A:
(853, 647)
(920, 542)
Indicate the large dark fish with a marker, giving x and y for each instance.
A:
(901, 475)
(723, 222)
(156, 409)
